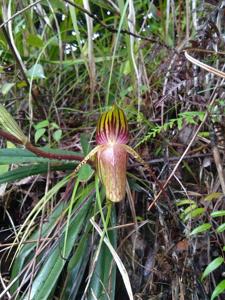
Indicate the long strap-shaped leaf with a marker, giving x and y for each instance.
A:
(203, 65)
(117, 259)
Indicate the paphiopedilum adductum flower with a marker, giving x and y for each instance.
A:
(112, 134)
(111, 152)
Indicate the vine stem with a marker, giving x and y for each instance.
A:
(38, 151)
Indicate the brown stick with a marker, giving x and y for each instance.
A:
(10, 137)
(38, 151)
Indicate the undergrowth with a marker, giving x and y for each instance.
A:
(62, 64)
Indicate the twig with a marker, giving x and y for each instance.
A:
(38, 151)
(49, 155)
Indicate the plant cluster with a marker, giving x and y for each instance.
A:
(84, 215)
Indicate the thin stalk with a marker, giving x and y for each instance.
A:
(114, 51)
(72, 201)
(91, 58)
(39, 152)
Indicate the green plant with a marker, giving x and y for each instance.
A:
(188, 117)
(42, 127)
(63, 62)
(189, 213)
(111, 156)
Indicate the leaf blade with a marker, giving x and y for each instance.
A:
(213, 265)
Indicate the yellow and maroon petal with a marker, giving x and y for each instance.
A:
(112, 127)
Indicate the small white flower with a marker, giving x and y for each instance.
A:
(74, 48)
(95, 36)
(150, 15)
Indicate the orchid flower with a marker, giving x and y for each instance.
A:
(111, 153)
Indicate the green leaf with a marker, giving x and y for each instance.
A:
(36, 72)
(103, 280)
(3, 169)
(54, 125)
(38, 134)
(184, 202)
(84, 140)
(76, 267)
(213, 196)
(218, 213)
(42, 124)
(179, 123)
(45, 281)
(57, 135)
(21, 84)
(19, 155)
(221, 228)
(212, 266)
(23, 172)
(57, 4)
(187, 211)
(195, 213)
(35, 41)
(27, 248)
(126, 67)
(201, 228)
(6, 87)
(85, 173)
(218, 290)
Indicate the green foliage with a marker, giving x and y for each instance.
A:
(189, 210)
(6, 87)
(189, 117)
(42, 127)
(19, 155)
(85, 173)
(201, 228)
(55, 238)
(212, 266)
(26, 171)
(36, 72)
(29, 247)
(220, 288)
(220, 228)
(49, 273)
(218, 213)
(35, 41)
